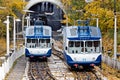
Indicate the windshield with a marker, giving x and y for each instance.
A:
(84, 46)
(38, 43)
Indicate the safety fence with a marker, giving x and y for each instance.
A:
(111, 62)
(7, 62)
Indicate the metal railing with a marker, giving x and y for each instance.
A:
(111, 62)
(7, 62)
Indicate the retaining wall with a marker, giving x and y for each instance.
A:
(7, 62)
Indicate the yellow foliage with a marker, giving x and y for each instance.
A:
(92, 5)
(65, 16)
(118, 21)
(64, 21)
(2, 46)
(12, 6)
(110, 23)
(110, 73)
(105, 15)
(73, 8)
(66, 2)
(109, 13)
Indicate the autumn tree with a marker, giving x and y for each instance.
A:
(71, 6)
(12, 8)
(104, 9)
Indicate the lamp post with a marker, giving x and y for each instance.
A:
(7, 34)
(14, 32)
(28, 20)
(28, 17)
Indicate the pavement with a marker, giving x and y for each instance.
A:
(18, 70)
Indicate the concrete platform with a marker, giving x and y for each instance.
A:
(18, 70)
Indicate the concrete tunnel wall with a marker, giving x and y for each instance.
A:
(35, 2)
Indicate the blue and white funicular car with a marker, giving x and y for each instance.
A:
(38, 41)
(82, 46)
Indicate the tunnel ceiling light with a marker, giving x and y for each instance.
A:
(46, 13)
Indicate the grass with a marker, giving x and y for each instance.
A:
(2, 47)
(108, 42)
(110, 73)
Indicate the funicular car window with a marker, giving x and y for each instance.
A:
(47, 40)
(33, 40)
(28, 40)
(89, 43)
(77, 44)
(96, 43)
(42, 40)
(71, 43)
(82, 44)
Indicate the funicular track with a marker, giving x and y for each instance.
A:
(85, 74)
(80, 73)
(39, 70)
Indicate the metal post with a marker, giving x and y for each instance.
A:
(67, 22)
(29, 20)
(28, 17)
(115, 37)
(17, 31)
(7, 40)
(115, 31)
(14, 32)
(14, 35)
(115, 34)
(97, 22)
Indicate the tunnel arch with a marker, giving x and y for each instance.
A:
(34, 2)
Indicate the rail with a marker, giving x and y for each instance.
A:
(39, 70)
(80, 73)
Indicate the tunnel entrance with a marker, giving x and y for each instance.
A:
(49, 11)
